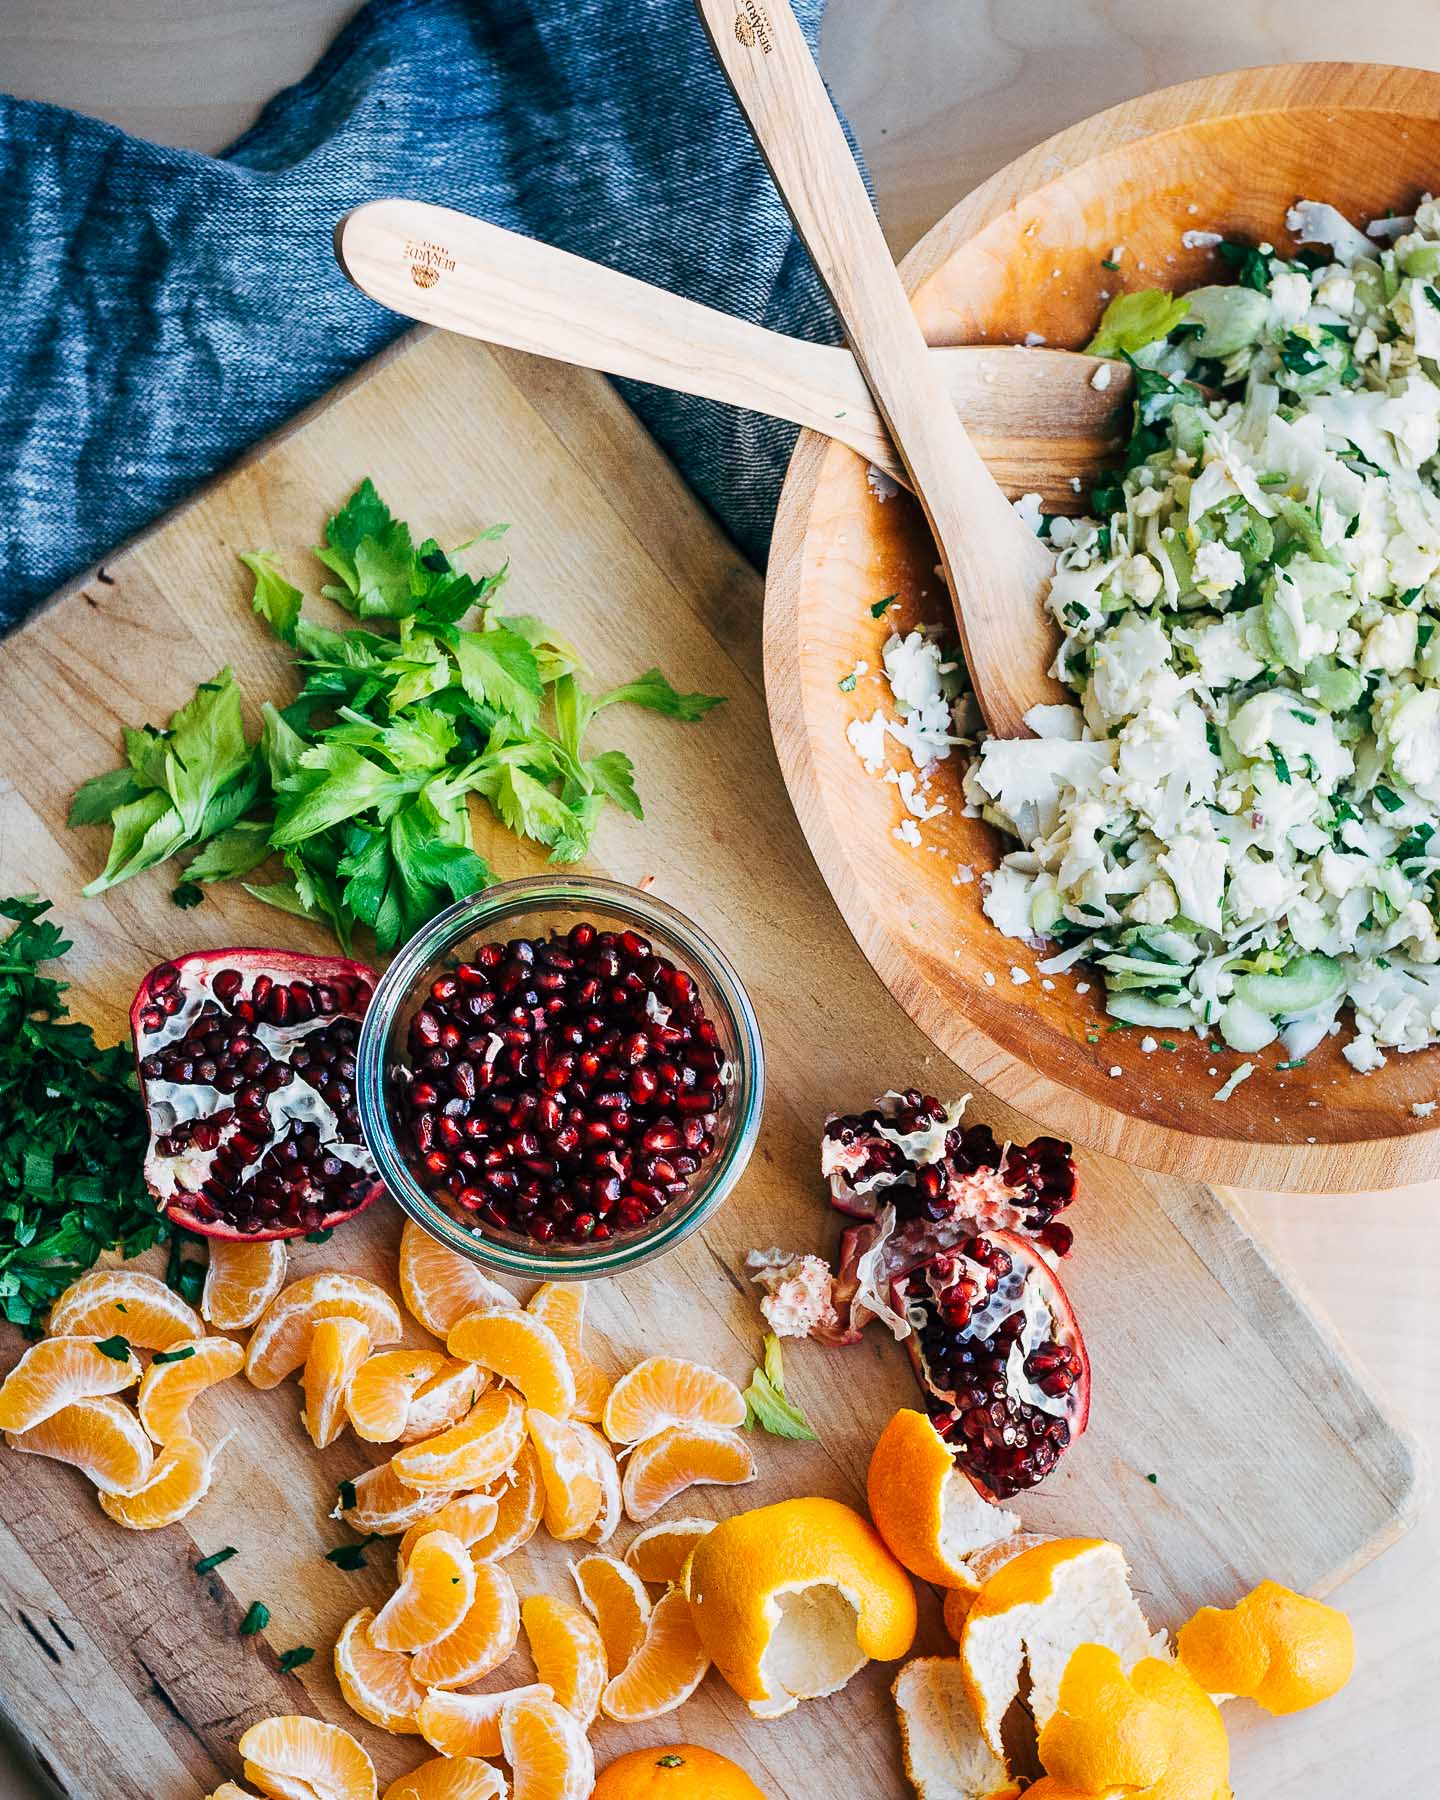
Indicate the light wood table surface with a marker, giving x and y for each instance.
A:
(941, 92)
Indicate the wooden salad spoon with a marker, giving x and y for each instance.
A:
(1037, 420)
(998, 572)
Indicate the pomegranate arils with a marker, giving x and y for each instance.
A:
(600, 1070)
(273, 1036)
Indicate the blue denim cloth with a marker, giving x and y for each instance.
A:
(155, 324)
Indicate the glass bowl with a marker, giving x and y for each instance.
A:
(539, 907)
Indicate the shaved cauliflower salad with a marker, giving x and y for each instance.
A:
(1236, 821)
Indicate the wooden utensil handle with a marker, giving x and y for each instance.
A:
(983, 545)
(449, 269)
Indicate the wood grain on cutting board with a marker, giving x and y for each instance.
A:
(123, 1668)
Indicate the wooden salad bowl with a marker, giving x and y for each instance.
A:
(1023, 253)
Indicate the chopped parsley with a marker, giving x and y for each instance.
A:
(881, 607)
(255, 1620)
(847, 683)
(320, 1237)
(352, 1556)
(295, 1659)
(72, 1130)
(117, 1348)
(347, 1495)
(181, 1355)
(214, 1559)
(1388, 798)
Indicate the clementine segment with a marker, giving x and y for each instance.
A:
(573, 1491)
(680, 1457)
(519, 1494)
(669, 1390)
(139, 1307)
(98, 1435)
(280, 1341)
(338, 1347)
(179, 1480)
(547, 1750)
(434, 1595)
(664, 1671)
(469, 1517)
(616, 1599)
(439, 1286)
(297, 1748)
(471, 1454)
(561, 1305)
(660, 1552)
(521, 1349)
(55, 1372)
(469, 1724)
(384, 1505)
(443, 1400)
(483, 1640)
(167, 1389)
(381, 1389)
(241, 1281)
(463, 1778)
(377, 1684)
(568, 1653)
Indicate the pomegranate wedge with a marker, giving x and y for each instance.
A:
(998, 1352)
(247, 1070)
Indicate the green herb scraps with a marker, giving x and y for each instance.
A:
(72, 1130)
(766, 1402)
(356, 792)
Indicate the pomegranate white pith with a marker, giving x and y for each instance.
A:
(247, 1072)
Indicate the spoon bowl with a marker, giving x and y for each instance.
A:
(1027, 252)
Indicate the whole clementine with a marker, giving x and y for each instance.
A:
(674, 1772)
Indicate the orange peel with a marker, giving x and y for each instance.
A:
(1275, 1647)
(945, 1756)
(929, 1512)
(791, 1600)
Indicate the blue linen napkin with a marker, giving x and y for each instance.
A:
(166, 309)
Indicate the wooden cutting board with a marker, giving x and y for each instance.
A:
(1230, 1439)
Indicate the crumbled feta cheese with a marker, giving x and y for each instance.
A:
(1102, 377)
(1018, 975)
(1149, 1045)
(1423, 1109)
(1116, 1070)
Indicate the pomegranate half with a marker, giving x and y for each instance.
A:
(954, 1247)
(247, 1072)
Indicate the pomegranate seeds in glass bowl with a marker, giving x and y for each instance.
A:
(560, 1077)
